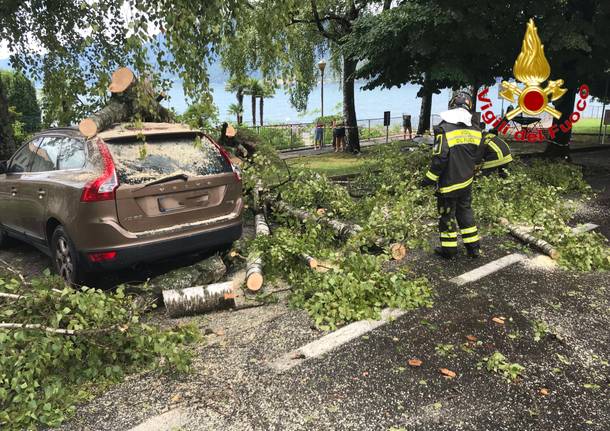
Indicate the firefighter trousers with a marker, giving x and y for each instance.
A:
(450, 210)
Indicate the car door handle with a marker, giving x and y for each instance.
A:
(41, 194)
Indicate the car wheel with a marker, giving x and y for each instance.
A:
(65, 257)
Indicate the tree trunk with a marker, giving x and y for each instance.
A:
(260, 109)
(7, 138)
(349, 104)
(114, 112)
(425, 92)
(199, 299)
(240, 103)
(254, 268)
(253, 110)
(566, 106)
(207, 271)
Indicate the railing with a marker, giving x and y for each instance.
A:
(290, 136)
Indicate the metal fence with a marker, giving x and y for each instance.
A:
(301, 135)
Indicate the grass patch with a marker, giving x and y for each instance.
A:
(333, 164)
(586, 125)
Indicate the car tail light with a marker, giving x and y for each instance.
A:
(103, 187)
(227, 157)
(102, 256)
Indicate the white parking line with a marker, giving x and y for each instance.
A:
(488, 268)
(333, 340)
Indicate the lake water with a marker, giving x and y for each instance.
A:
(369, 103)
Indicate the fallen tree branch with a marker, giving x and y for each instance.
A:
(60, 331)
(342, 229)
(524, 236)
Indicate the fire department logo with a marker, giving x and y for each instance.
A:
(532, 69)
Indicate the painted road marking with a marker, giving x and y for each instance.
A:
(584, 228)
(333, 340)
(488, 268)
(168, 421)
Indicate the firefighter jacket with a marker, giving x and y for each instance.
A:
(496, 151)
(455, 153)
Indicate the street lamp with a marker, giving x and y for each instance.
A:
(322, 66)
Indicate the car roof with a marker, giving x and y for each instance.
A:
(68, 131)
(127, 130)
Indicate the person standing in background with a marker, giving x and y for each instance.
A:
(318, 136)
(339, 134)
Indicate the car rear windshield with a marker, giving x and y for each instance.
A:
(140, 160)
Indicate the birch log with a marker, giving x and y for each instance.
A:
(311, 262)
(524, 236)
(254, 269)
(342, 229)
(130, 96)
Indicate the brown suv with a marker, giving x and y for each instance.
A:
(128, 195)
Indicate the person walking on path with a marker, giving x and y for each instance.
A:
(457, 149)
(318, 141)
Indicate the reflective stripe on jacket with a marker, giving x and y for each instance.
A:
(496, 151)
(455, 153)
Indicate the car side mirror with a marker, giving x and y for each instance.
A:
(3, 164)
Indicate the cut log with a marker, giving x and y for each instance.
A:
(114, 112)
(524, 236)
(200, 299)
(254, 269)
(205, 272)
(122, 79)
(309, 261)
(254, 274)
(398, 251)
(130, 98)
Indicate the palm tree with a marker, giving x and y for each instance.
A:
(238, 111)
(254, 89)
(267, 91)
(237, 85)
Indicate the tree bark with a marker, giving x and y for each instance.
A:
(114, 112)
(7, 137)
(207, 271)
(253, 110)
(349, 104)
(425, 92)
(260, 109)
(566, 106)
(524, 236)
(240, 102)
(254, 269)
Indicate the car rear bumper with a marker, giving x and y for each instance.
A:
(151, 251)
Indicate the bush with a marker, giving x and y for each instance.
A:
(279, 138)
(43, 374)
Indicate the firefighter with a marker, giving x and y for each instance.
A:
(456, 150)
(496, 154)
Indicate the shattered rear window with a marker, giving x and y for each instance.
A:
(140, 160)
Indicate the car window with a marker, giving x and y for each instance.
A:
(22, 158)
(139, 162)
(45, 158)
(72, 154)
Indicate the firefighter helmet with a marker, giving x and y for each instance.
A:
(461, 99)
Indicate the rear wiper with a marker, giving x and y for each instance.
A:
(167, 179)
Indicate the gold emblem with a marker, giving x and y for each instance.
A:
(532, 68)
